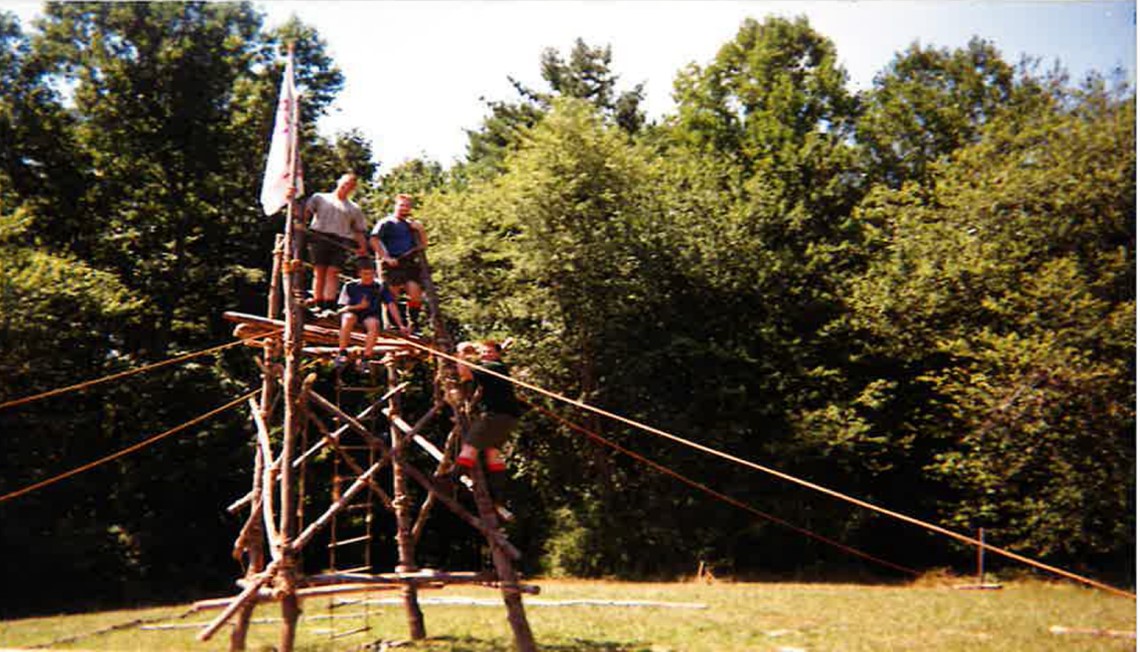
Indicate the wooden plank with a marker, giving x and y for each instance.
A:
(422, 577)
(315, 334)
(429, 502)
(463, 514)
(269, 469)
(412, 432)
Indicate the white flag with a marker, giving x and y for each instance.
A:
(279, 168)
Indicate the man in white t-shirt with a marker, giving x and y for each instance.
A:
(337, 225)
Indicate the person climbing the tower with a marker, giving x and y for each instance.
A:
(361, 301)
(336, 228)
(496, 413)
(469, 351)
(397, 241)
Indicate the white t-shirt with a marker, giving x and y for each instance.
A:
(331, 215)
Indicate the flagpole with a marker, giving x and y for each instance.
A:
(294, 316)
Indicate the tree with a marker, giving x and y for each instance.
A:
(585, 75)
(173, 112)
(930, 102)
(160, 150)
(761, 157)
(563, 253)
(1007, 292)
(40, 170)
(58, 321)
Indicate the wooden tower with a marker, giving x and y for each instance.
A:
(274, 537)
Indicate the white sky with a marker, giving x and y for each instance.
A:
(415, 71)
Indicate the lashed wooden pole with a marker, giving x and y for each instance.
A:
(508, 578)
(405, 544)
(293, 277)
(253, 538)
(429, 502)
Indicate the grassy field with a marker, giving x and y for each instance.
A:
(931, 615)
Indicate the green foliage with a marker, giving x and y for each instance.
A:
(1011, 288)
(584, 75)
(48, 303)
(930, 102)
(58, 323)
(770, 92)
(131, 223)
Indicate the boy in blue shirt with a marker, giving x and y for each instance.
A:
(361, 300)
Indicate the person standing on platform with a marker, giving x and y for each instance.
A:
(496, 414)
(398, 240)
(337, 227)
(361, 301)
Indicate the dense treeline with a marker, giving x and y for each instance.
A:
(922, 294)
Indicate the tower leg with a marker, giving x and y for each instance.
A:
(290, 611)
(508, 579)
(401, 502)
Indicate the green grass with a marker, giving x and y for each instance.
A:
(931, 615)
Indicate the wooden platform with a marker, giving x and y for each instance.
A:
(321, 337)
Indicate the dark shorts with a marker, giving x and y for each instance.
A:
(490, 430)
(364, 315)
(329, 250)
(408, 270)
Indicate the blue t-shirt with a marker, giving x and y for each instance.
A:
(375, 294)
(396, 234)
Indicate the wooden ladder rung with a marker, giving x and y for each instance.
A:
(351, 541)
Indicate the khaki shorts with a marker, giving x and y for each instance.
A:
(490, 430)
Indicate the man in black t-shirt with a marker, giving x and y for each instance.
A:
(497, 411)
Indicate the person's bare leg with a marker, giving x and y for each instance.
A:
(415, 304)
(372, 325)
(497, 482)
(332, 283)
(415, 293)
(347, 323)
(319, 284)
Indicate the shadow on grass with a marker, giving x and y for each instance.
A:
(472, 644)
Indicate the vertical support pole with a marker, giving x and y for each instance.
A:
(268, 386)
(401, 502)
(294, 417)
(981, 556)
(442, 337)
(508, 579)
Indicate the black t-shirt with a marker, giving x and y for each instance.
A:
(498, 394)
